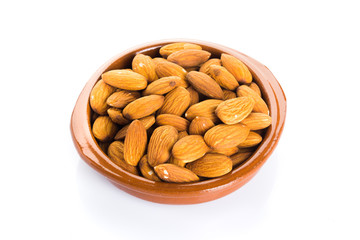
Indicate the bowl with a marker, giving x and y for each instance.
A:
(173, 193)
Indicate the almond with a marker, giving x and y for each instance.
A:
(260, 105)
(176, 102)
(116, 154)
(205, 67)
(146, 121)
(189, 57)
(199, 125)
(172, 173)
(237, 68)
(226, 136)
(98, 96)
(125, 79)
(104, 129)
(190, 148)
(104, 146)
(116, 116)
(211, 165)
(168, 69)
(177, 162)
(182, 134)
(160, 144)
(143, 107)
(203, 109)
(226, 151)
(168, 49)
(234, 110)
(205, 84)
(122, 98)
(229, 94)
(146, 170)
(223, 77)
(257, 121)
(240, 157)
(252, 140)
(135, 143)
(194, 95)
(256, 88)
(181, 124)
(162, 85)
(144, 65)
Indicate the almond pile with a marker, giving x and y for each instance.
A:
(182, 117)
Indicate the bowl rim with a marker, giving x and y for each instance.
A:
(91, 153)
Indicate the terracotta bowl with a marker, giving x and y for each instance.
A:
(172, 193)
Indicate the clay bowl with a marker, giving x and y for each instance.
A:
(171, 193)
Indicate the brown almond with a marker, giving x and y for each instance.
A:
(162, 85)
(116, 116)
(194, 95)
(229, 94)
(104, 129)
(181, 124)
(177, 162)
(171, 173)
(135, 143)
(256, 88)
(146, 121)
(223, 77)
(182, 134)
(125, 79)
(160, 144)
(226, 136)
(257, 121)
(116, 154)
(190, 148)
(205, 84)
(234, 110)
(143, 107)
(189, 57)
(211, 165)
(252, 140)
(240, 157)
(168, 49)
(145, 66)
(168, 69)
(204, 109)
(226, 151)
(237, 68)
(122, 98)
(98, 96)
(176, 102)
(199, 125)
(260, 105)
(205, 67)
(146, 170)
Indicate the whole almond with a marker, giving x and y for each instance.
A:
(168, 69)
(205, 84)
(204, 109)
(144, 65)
(199, 125)
(122, 98)
(252, 140)
(116, 154)
(181, 124)
(116, 116)
(257, 121)
(211, 165)
(125, 79)
(98, 96)
(104, 129)
(177, 162)
(237, 68)
(229, 94)
(260, 105)
(168, 49)
(146, 170)
(223, 77)
(226, 136)
(182, 134)
(176, 102)
(240, 157)
(143, 107)
(189, 57)
(234, 110)
(162, 85)
(226, 151)
(146, 121)
(194, 95)
(160, 144)
(135, 143)
(190, 148)
(171, 173)
(256, 88)
(205, 67)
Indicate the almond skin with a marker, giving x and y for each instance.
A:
(194, 95)
(181, 124)
(146, 121)
(237, 68)
(240, 157)
(177, 162)
(162, 85)
(116, 116)
(226, 151)
(190, 148)
(172, 173)
(260, 105)
(182, 134)
(104, 129)
(125, 79)
(146, 170)
(122, 98)
(223, 77)
(143, 107)
(256, 88)
(189, 57)
(229, 94)
(160, 144)
(234, 110)
(205, 84)
(99, 95)
(144, 65)
(257, 121)
(204, 109)
(211, 165)
(116, 154)
(252, 140)
(168, 49)
(205, 67)
(135, 143)
(199, 125)
(176, 102)
(226, 136)
(168, 69)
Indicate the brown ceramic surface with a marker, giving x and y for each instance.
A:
(171, 193)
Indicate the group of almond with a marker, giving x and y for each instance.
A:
(180, 118)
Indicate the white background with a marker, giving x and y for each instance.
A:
(308, 189)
